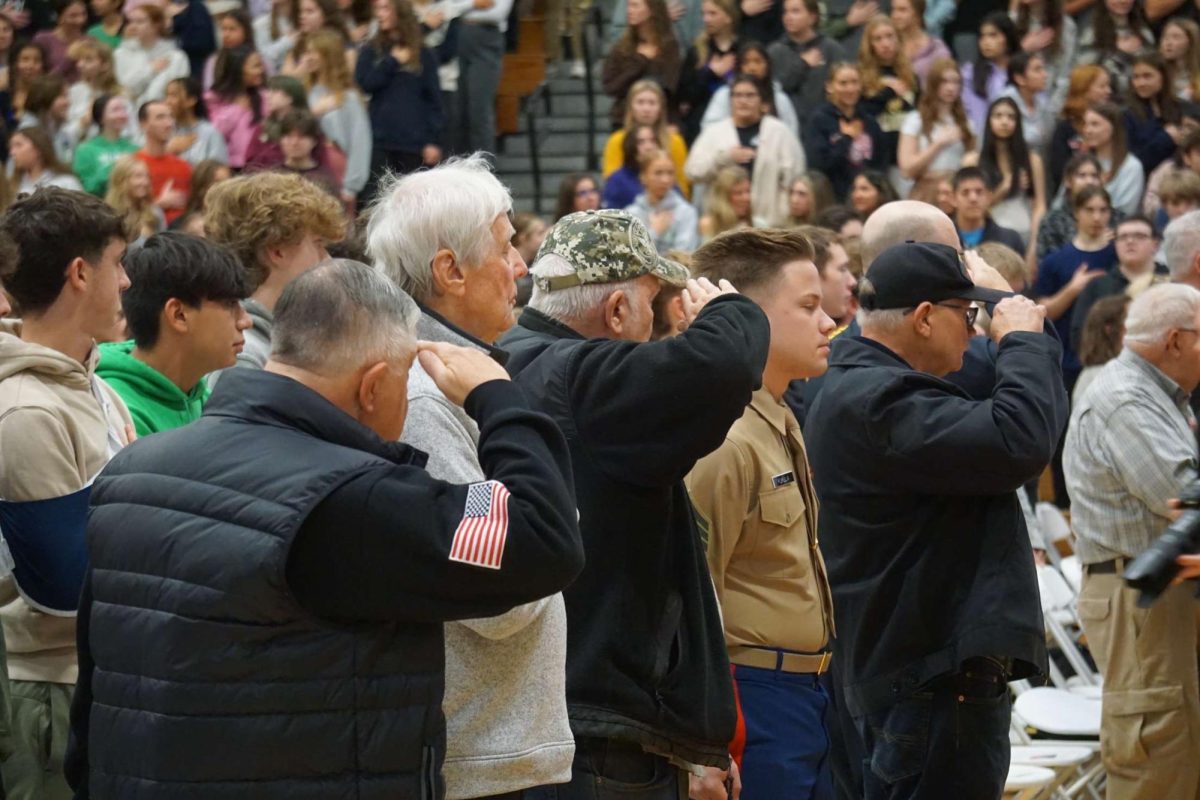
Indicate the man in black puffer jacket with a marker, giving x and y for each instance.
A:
(263, 613)
(648, 683)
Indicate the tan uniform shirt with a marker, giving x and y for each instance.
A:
(756, 499)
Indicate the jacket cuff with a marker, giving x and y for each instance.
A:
(491, 397)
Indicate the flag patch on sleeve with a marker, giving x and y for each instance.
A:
(483, 529)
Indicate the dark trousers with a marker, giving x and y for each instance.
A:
(606, 769)
(787, 749)
(385, 161)
(480, 57)
(950, 739)
(845, 745)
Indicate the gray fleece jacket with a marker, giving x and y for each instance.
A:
(505, 702)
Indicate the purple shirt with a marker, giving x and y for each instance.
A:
(57, 62)
(977, 107)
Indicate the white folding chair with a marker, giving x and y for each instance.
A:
(1070, 763)
(1025, 782)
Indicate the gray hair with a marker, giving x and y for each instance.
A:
(573, 304)
(341, 315)
(1160, 309)
(878, 320)
(451, 206)
(1181, 244)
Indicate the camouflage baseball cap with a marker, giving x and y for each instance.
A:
(605, 247)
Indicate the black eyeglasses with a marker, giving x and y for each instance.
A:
(970, 313)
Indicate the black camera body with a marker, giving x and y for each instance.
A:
(1152, 571)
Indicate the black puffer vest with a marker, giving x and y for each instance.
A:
(210, 680)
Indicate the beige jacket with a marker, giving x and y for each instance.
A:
(779, 159)
(59, 425)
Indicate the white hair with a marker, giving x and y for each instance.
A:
(1160, 309)
(451, 206)
(879, 320)
(573, 304)
(1181, 244)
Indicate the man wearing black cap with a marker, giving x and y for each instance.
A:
(935, 596)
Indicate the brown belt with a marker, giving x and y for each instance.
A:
(1110, 567)
(782, 660)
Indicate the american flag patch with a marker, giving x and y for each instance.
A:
(479, 539)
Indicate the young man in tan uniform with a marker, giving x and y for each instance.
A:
(756, 500)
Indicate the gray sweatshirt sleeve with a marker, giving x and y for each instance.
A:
(350, 128)
(210, 145)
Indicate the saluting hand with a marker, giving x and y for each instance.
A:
(697, 295)
(457, 371)
(1017, 313)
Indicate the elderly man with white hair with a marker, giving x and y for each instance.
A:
(1130, 451)
(648, 684)
(1181, 248)
(442, 235)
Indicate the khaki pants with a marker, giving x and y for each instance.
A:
(575, 12)
(1150, 723)
(40, 723)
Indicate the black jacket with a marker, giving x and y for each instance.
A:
(263, 613)
(828, 149)
(922, 534)
(646, 658)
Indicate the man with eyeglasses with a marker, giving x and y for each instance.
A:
(1134, 272)
(935, 595)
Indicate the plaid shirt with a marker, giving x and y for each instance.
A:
(1130, 448)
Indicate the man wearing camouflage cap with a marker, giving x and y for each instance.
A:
(648, 684)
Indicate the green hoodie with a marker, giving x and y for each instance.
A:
(154, 402)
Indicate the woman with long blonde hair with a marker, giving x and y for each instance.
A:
(889, 85)
(334, 100)
(709, 63)
(647, 106)
(727, 203)
(130, 195)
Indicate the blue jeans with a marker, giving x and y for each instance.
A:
(950, 739)
(787, 748)
(607, 769)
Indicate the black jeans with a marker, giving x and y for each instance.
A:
(606, 769)
(949, 739)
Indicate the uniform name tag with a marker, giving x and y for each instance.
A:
(783, 479)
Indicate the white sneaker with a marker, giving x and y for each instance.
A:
(578, 69)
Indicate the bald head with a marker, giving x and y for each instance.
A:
(905, 221)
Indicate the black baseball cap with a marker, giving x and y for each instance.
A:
(906, 275)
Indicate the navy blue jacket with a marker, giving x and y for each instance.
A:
(922, 534)
(1148, 140)
(405, 107)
